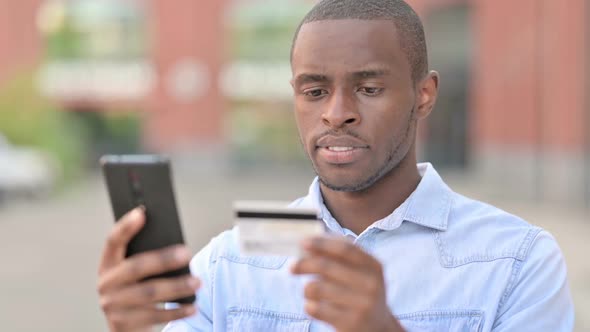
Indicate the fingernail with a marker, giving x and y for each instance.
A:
(182, 254)
(189, 310)
(311, 307)
(307, 243)
(193, 282)
(136, 214)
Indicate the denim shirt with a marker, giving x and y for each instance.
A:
(450, 264)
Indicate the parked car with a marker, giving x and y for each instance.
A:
(25, 172)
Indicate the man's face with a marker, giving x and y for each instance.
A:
(354, 100)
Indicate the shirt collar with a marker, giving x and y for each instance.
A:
(429, 205)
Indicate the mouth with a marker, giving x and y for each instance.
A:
(341, 155)
(340, 150)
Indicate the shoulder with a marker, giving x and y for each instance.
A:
(479, 232)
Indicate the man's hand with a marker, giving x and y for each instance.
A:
(128, 303)
(349, 293)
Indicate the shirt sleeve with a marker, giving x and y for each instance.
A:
(538, 297)
(200, 267)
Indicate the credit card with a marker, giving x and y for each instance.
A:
(267, 228)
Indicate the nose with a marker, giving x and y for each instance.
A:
(341, 111)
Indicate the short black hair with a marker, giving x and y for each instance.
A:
(407, 23)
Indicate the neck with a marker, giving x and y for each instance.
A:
(359, 210)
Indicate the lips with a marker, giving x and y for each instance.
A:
(340, 150)
(340, 141)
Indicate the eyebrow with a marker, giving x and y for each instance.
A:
(371, 73)
(358, 75)
(310, 78)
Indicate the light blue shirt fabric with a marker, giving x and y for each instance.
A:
(450, 264)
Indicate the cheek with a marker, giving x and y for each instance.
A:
(388, 127)
(306, 120)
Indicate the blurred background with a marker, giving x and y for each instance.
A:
(207, 82)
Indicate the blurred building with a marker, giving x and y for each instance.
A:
(20, 42)
(519, 74)
(160, 57)
(514, 108)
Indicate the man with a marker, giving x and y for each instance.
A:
(409, 253)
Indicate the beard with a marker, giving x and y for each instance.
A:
(398, 152)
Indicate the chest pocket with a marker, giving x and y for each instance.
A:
(255, 320)
(443, 320)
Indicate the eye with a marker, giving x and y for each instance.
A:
(315, 93)
(370, 91)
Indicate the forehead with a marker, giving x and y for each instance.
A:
(333, 46)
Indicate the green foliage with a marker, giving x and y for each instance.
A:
(264, 30)
(28, 119)
(66, 44)
(265, 134)
(102, 30)
(110, 132)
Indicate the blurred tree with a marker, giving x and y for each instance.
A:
(109, 132)
(262, 125)
(82, 38)
(28, 119)
(263, 30)
(87, 29)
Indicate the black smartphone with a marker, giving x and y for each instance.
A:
(134, 180)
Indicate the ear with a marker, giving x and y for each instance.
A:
(427, 92)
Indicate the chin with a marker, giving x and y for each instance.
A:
(340, 177)
(344, 184)
(352, 180)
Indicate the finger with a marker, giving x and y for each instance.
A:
(147, 317)
(150, 292)
(340, 248)
(335, 294)
(122, 232)
(141, 266)
(332, 270)
(326, 312)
